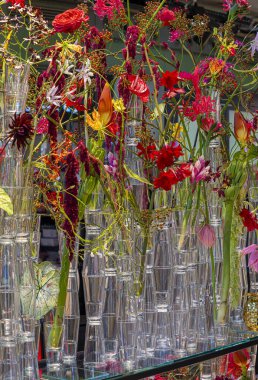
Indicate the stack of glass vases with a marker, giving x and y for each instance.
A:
(18, 357)
(72, 307)
(94, 283)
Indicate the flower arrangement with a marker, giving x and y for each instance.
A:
(142, 122)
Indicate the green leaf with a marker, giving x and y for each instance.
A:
(47, 287)
(253, 152)
(6, 202)
(158, 110)
(133, 175)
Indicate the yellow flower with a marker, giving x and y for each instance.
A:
(118, 105)
(228, 46)
(94, 121)
(176, 131)
(68, 49)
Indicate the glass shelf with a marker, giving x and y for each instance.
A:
(237, 340)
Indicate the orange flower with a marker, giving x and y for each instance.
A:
(242, 128)
(105, 106)
(100, 118)
(216, 65)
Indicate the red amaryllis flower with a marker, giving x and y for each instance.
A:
(237, 362)
(20, 129)
(249, 220)
(166, 16)
(69, 21)
(138, 87)
(149, 152)
(206, 235)
(167, 155)
(242, 128)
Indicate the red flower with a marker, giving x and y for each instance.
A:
(167, 179)
(113, 127)
(138, 87)
(21, 3)
(249, 220)
(74, 104)
(20, 129)
(169, 79)
(42, 126)
(166, 156)
(69, 21)
(149, 152)
(166, 16)
(237, 361)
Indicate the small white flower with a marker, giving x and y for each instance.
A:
(85, 73)
(52, 98)
(65, 67)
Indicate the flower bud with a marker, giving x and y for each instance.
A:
(206, 235)
(241, 128)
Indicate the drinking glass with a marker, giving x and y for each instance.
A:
(9, 290)
(94, 285)
(94, 345)
(53, 334)
(9, 359)
(162, 267)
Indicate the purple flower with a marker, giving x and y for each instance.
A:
(253, 258)
(131, 38)
(200, 170)
(254, 45)
(113, 165)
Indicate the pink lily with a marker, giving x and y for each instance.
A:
(200, 170)
(253, 258)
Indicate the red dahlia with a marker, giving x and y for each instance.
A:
(20, 129)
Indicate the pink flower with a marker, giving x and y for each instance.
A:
(226, 5)
(200, 170)
(174, 35)
(242, 3)
(206, 235)
(42, 126)
(107, 8)
(166, 16)
(253, 258)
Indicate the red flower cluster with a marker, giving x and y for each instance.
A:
(167, 155)
(249, 220)
(149, 152)
(166, 16)
(171, 177)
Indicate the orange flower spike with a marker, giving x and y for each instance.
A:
(105, 106)
(241, 128)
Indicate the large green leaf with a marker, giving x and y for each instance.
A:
(133, 175)
(6, 202)
(47, 287)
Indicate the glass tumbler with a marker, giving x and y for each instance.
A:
(54, 334)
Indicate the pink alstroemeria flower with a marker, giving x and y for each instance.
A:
(253, 258)
(200, 170)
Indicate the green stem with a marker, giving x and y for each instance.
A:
(56, 331)
(222, 311)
